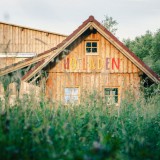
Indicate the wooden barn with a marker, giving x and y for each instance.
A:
(18, 43)
(90, 59)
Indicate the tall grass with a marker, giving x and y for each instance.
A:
(90, 131)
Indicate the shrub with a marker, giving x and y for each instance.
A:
(89, 131)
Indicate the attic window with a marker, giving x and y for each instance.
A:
(91, 47)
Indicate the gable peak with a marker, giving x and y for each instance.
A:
(91, 18)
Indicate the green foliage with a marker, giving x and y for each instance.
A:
(141, 45)
(156, 46)
(147, 48)
(90, 131)
(110, 24)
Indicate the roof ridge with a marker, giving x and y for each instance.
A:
(91, 18)
(40, 30)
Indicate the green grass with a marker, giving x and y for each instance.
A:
(33, 130)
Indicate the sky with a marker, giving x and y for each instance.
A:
(134, 17)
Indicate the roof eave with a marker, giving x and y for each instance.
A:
(129, 54)
(62, 46)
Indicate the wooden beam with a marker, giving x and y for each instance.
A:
(23, 64)
(35, 78)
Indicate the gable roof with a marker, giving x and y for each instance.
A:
(91, 21)
(26, 62)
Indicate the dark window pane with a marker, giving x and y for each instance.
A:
(115, 90)
(107, 91)
(94, 44)
(94, 50)
(91, 47)
(111, 95)
(88, 50)
(88, 44)
(116, 99)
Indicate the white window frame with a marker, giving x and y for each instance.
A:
(111, 95)
(72, 95)
(91, 53)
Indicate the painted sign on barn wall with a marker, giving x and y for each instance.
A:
(91, 63)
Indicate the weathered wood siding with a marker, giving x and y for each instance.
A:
(25, 89)
(16, 39)
(29, 89)
(89, 72)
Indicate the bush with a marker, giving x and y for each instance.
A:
(90, 131)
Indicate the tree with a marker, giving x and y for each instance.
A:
(141, 45)
(109, 23)
(156, 52)
(147, 48)
(156, 46)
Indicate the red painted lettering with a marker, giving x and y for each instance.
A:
(66, 63)
(114, 63)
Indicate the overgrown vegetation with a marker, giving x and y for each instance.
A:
(90, 131)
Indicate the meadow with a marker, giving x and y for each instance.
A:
(32, 130)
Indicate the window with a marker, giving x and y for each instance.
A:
(91, 47)
(111, 95)
(71, 95)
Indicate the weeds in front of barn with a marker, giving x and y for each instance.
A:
(89, 131)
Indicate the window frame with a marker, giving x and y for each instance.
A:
(72, 87)
(91, 53)
(112, 87)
